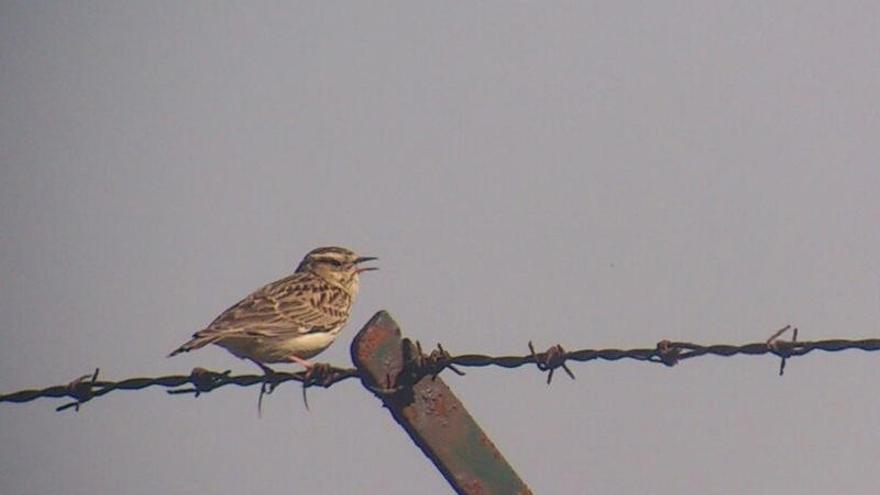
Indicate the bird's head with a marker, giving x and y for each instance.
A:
(336, 265)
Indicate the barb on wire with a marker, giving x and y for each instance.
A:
(81, 390)
(421, 364)
(548, 361)
(666, 352)
(203, 381)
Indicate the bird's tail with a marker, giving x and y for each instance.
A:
(199, 339)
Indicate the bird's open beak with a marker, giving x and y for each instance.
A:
(363, 259)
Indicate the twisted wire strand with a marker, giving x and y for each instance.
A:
(669, 353)
(688, 351)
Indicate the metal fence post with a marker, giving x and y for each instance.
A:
(431, 414)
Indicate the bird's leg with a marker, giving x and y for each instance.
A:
(266, 370)
(268, 376)
(269, 383)
(305, 362)
(268, 373)
(315, 373)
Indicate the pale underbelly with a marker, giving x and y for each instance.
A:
(278, 349)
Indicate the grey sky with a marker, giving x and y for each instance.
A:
(591, 174)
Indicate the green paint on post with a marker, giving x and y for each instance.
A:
(432, 415)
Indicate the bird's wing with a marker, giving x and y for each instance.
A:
(289, 306)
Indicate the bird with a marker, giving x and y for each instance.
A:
(292, 319)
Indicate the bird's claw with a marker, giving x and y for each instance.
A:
(270, 382)
(316, 374)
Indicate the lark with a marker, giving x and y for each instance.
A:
(292, 319)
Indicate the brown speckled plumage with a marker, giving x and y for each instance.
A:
(291, 319)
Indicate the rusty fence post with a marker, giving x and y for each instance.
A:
(431, 414)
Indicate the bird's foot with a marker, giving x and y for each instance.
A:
(270, 378)
(315, 374)
(270, 381)
(318, 374)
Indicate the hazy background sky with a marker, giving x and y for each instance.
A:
(595, 174)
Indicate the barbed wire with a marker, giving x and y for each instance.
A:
(418, 364)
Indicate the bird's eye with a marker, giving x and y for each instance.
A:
(334, 262)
